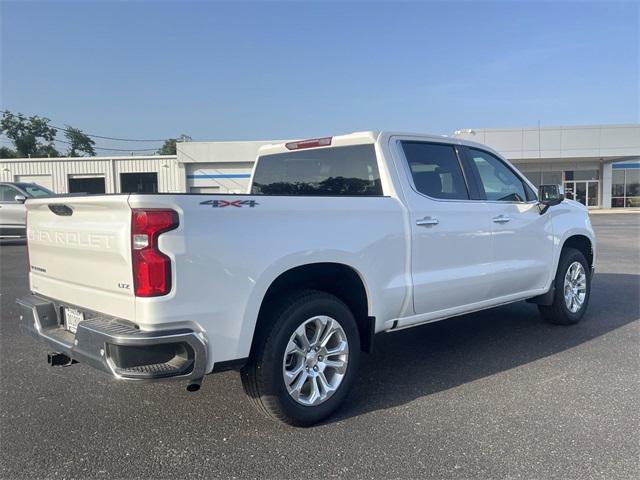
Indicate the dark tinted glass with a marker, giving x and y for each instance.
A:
(8, 193)
(139, 182)
(436, 170)
(35, 190)
(346, 171)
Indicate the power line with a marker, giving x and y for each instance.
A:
(65, 129)
(114, 149)
(9, 143)
(114, 138)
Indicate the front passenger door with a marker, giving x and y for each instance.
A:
(12, 214)
(522, 239)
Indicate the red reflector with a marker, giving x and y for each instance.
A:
(312, 142)
(151, 267)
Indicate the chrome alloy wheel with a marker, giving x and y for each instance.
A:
(315, 361)
(575, 287)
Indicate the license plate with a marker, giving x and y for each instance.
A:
(72, 318)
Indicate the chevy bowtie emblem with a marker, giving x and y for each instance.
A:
(230, 203)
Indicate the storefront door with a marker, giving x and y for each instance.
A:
(585, 192)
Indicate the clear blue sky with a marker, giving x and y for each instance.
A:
(282, 70)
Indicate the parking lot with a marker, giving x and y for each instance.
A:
(495, 394)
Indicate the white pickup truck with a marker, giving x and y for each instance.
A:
(339, 238)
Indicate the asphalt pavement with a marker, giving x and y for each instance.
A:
(496, 394)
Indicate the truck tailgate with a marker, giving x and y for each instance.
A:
(80, 253)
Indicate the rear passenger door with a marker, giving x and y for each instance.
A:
(450, 233)
(522, 239)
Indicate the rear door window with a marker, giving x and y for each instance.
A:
(436, 170)
(348, 171)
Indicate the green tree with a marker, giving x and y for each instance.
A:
(79, 142)
(168, 147)
(6, 152)
(32, 136)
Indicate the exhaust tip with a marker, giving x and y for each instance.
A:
(56, 359)
(194, 385)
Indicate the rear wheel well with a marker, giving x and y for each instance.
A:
(582, 244)
(334, 278)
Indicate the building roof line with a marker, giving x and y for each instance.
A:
(551, 127)
(101, 158)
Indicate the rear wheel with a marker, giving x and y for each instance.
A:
(304, 364)
(572, 289)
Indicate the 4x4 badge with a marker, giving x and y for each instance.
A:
(230, 203)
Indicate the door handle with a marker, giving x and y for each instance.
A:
(501, 219)
(427, 221)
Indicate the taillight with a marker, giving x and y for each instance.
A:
(151, 267)
(312, 142)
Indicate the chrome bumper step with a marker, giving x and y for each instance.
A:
(115, 346)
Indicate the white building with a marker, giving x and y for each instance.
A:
(598, 165)
(211, 167)
(198, 167)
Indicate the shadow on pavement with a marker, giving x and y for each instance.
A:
(435, 357)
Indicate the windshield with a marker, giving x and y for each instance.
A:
(34, 190)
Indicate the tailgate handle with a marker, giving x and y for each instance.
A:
(60, 209)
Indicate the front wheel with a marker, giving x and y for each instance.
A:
(304, 364)
(572, 290)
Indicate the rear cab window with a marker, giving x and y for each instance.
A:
(335, 171)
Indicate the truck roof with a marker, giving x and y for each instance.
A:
(356, 138)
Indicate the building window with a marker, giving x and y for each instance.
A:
(146, 182)
(534, 177)
(88, 185)
(541, 177)
(552, 178)
(625, 187)
(617, 185)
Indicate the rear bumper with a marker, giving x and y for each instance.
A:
(115, 346)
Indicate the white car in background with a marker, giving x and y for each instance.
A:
(13, 213)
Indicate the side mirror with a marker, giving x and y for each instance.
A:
(20, 198)
(550, 195)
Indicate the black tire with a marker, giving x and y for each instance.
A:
(262, 376)
(558, 313)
